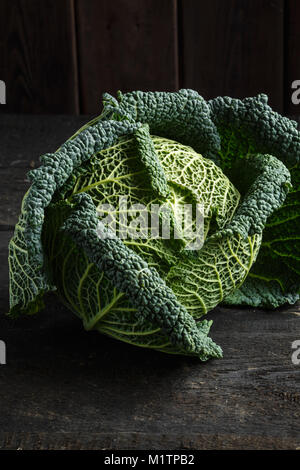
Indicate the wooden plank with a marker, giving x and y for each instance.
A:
(292, 41)
(23, 139)
(140, 441)
(68, 388)
(125, 46)
(37, 56)
(233, 48)
(12, 193)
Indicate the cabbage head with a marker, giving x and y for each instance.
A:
(235, 160)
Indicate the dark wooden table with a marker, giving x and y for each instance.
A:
(64, 388)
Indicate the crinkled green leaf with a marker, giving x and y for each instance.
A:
(29, 277)
(246, 127)
(142, 285)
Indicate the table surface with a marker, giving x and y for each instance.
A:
(64, 388)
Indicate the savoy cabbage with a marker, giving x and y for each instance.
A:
(236, 158)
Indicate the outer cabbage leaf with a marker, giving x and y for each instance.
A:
(246, 127)
(29, 274)
(87, 291)
(131, 275)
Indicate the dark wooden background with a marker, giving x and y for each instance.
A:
(59, 56)
(64, 388)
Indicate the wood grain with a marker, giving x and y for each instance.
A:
(23, 140)
(233, 48)
(141, 441)
(38, 58)
(65, 388)
(292, 63)
(125, 46)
